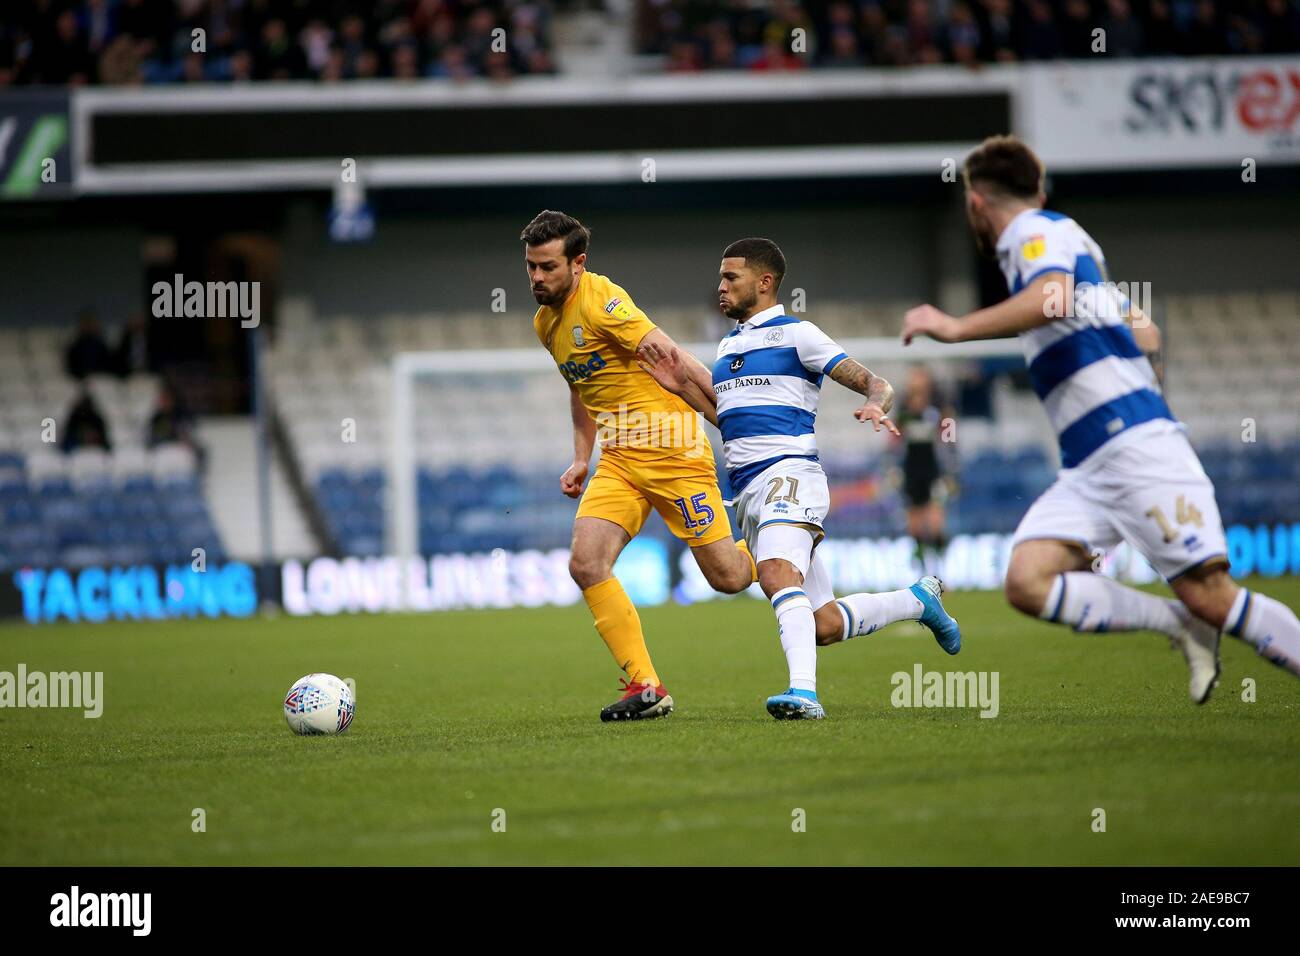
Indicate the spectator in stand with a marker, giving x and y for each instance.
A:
(683, 57)
(922, 37)
(843, 49)
(777, 56)
(406, 61)
(1076, 31)
(964, 37)
(88, 353)
(873, 28)
(723, 54)
(1280, 25)
(478, 38)
(85, 426)
(132, 353)
(60, 53)
(999, 32)
(276, 57)
(167, 423)
(1124, 35)
(1159, 28)
(172, 422)
(1204, 35)
(315, 40)
(1040, 36)
(121, 63)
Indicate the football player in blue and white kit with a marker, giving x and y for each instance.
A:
(762, 395)
(1129, 472)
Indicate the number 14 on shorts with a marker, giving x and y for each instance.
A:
(1183, 514)
(703, 513)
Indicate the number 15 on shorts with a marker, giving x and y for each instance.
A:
(703, 513)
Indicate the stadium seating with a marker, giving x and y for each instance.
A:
(490, 448)
(127, 506)
(83, 42)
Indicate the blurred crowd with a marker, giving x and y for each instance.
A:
(742, 34)
(130, 42)
(89, 354)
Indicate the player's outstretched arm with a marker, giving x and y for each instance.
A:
(879, 393)
(679, 372)
(1040, 302)
(584, 439)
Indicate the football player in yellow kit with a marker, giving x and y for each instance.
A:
(653, 452)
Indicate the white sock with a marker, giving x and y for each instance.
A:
(867, 613)
(794, 617)
(1093, 603)
(1267, 625)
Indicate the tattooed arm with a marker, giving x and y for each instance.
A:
(879, 393)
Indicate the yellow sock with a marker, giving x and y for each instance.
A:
(620, 628)
(753, 567)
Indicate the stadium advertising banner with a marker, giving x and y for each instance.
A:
(652, 575)
(140, 593)
(35, 156)
(1163, 113)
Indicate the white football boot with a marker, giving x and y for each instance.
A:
(1199, 643)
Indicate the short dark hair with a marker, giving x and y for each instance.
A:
(761, 254)
(550, 224)
(1005, 166)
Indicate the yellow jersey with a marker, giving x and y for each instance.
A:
(593, 337)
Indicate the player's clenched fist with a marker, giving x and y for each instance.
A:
(572, 479)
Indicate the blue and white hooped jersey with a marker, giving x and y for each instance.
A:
(1086, 367)
(768, 378)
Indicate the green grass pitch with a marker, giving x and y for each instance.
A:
(463, 713)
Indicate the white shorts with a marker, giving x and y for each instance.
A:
(791, 491)
(782, 501)
(1151, 492)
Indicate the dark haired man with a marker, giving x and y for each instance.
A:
(653, 453)
(762, 395)
(1129, 472)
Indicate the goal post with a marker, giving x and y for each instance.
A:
(490, 369)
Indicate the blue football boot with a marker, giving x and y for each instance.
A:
(796, 705)
(928, 591)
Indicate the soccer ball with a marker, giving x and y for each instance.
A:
(319, 704)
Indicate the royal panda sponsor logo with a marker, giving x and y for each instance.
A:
(742, 383)
(738, 363)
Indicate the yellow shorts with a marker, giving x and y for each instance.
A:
(684, 492)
